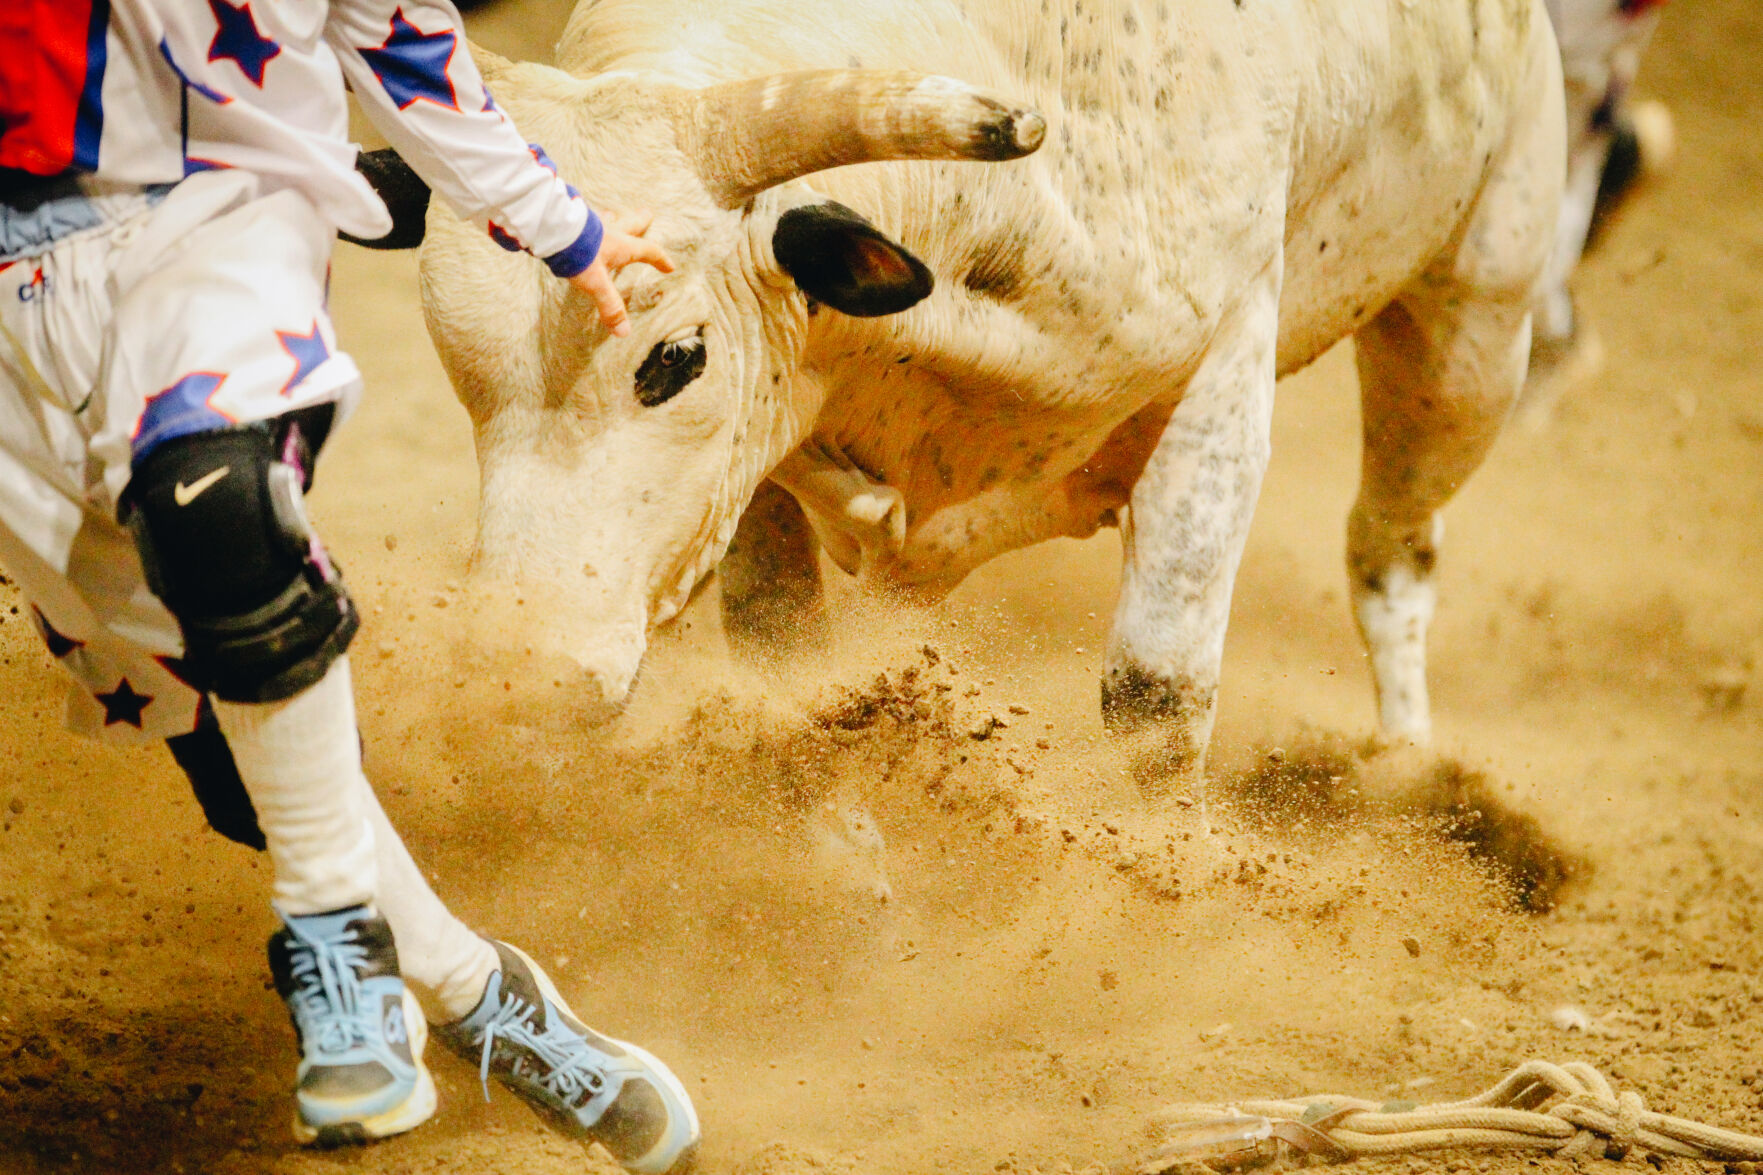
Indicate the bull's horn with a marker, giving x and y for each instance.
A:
(752, 135)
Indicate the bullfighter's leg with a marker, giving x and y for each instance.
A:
(1439, 371)
(1187, 524)
(772, 596)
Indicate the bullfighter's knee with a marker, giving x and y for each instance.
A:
(772, 596)
(220, 523)
(1162, 721)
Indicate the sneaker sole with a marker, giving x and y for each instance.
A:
(680, 1153)
(684, 1153)
(408, 1114)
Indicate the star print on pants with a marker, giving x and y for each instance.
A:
(239, 41)
(412, 64)
(175, 666)
(59, 645)
(307, 351)
(179, 410)
(123, 704)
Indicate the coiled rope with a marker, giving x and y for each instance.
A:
(1567, 1110)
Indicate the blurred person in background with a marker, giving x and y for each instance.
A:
(1612, 141)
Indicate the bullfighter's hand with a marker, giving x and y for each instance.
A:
(622, 245)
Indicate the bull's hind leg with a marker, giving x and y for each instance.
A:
(1437, 381)
(772, 597)
(1439, 371)
(1187, 524)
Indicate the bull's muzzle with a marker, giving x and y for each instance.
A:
(558, 640)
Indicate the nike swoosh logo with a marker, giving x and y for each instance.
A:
(185, 494)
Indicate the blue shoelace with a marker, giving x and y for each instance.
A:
(327, 998)
(569, 1072)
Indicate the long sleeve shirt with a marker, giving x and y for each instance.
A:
(104, 98)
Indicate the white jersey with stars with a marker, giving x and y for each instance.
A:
(161, 89)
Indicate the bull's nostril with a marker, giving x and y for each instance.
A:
(603, 680)
(588, 698)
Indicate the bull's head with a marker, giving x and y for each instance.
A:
(614, 470)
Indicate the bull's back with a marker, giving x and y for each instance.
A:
(1403, 123)
(1187, 139)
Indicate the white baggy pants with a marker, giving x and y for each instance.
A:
(210, 301)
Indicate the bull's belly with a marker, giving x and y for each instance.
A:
(1317, 314)
(950, 536)
(1352, 256)
(996, 500)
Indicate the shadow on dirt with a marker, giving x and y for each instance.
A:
(170, 1096)
(1328, 784)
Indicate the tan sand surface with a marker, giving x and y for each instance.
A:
(1057, 960)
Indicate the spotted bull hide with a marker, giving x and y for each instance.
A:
(918, 321)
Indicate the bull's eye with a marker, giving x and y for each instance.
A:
(672, 365)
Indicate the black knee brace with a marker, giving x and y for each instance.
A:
(220, 522)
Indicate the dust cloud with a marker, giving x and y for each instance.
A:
(898, 908)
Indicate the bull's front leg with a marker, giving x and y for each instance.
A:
(1188, 522)
(772, 597)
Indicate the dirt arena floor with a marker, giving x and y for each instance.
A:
(1057, 961)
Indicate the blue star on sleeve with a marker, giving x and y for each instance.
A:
(412, 64)
(543, 158)
(239, 40)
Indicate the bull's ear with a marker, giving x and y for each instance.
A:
(839, 258)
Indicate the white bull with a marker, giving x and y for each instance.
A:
(1227, 188)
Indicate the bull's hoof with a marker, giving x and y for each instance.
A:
(1162, 726)
(760, 628)
(1166, 768)
(772, 599)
